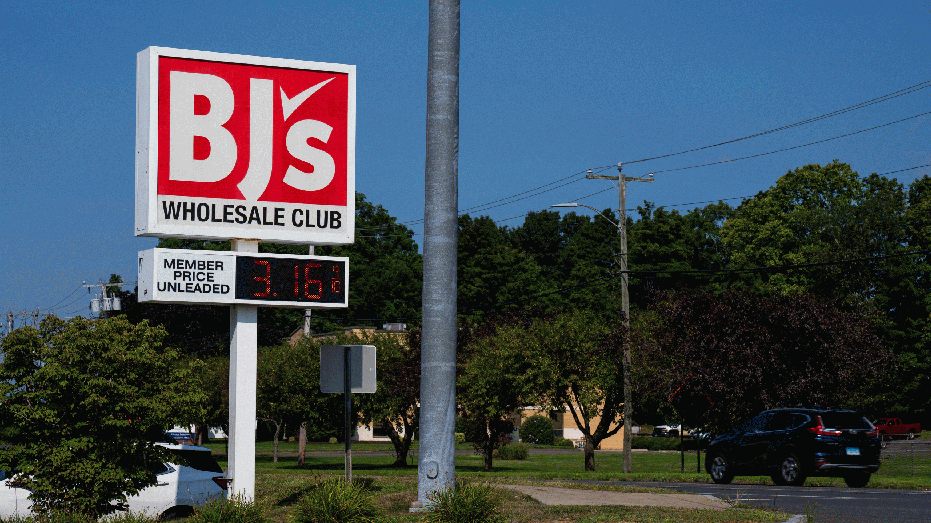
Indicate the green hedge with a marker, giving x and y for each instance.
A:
(651, 443)
(513, 451)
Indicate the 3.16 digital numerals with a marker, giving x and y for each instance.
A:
(285, 279)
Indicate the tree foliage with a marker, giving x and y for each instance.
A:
(288, 391)
(395, 402)
(577, 363)
(90, 397)
(744, 353)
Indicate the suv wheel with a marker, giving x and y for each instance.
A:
(857, 480)
(789, 472)
(720, 473)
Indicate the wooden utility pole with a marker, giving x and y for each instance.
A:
(625, 298)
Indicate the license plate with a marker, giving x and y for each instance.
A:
(853, 451)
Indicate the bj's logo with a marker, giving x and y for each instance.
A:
(254, 133)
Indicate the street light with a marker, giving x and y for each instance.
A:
(625, 320)
(574, 204)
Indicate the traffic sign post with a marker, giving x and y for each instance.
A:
(247, 149)
(347, 369)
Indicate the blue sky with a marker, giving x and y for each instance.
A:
(547, 89)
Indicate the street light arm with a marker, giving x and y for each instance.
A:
(574, 204)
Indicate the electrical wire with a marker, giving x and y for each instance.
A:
(795, 147)
(880, 99)
(76, 289)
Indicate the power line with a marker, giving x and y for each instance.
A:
(896, 94)
(795, 147)
(76, 289)
(880, 99)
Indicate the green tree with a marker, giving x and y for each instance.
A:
(577, 365)
(213, 376)
(386, 276)
(288, 391)
(817, 216)
(492, 275)
(588, 263)
(492, 387)
(397, 395)
(90, 397)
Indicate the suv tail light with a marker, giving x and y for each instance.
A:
(819, 429)
(222, 481)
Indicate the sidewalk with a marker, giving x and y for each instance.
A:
(569, 496)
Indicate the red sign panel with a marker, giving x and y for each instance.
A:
(231, 146)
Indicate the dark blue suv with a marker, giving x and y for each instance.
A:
(792, 444)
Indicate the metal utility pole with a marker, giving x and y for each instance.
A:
(436, 466)
(625, 299)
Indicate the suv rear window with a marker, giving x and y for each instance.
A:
(844, 420)
(198, 459)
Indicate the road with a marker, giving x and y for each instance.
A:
(826, 504)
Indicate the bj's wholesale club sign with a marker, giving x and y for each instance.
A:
(232, 146)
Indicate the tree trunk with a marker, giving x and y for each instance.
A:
(302, 444)
(401, 445)
(489, 453)
(200, 434)
(278, 428)
(589, 455)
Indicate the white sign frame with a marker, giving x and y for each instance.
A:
(221, 266)
(278, 219)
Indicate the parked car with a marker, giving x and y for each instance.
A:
(791, 444)
(666, 431)
(889, 428)
(178, 490)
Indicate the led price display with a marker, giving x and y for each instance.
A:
(221, 278)
(275, 279)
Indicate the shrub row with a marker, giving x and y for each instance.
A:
(651, 443)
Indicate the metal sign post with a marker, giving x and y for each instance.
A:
(346, 369)
(347, 409)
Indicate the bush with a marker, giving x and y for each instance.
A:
(333, 441)
(460, 437)
(563, 442)
(465, 503)
(513, 451)
(651, 443)
(335, 501)
(537, 430)
(223, 510)
(462, 427)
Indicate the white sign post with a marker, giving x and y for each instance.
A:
(247, 149)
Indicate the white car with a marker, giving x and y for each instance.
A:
(178, 490)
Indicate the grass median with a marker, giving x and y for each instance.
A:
(280, 484)
(548, 463)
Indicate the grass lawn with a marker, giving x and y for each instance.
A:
(279, 491)
(908, 472)
(280, 484)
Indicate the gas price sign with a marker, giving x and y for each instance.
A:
(222, 278)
